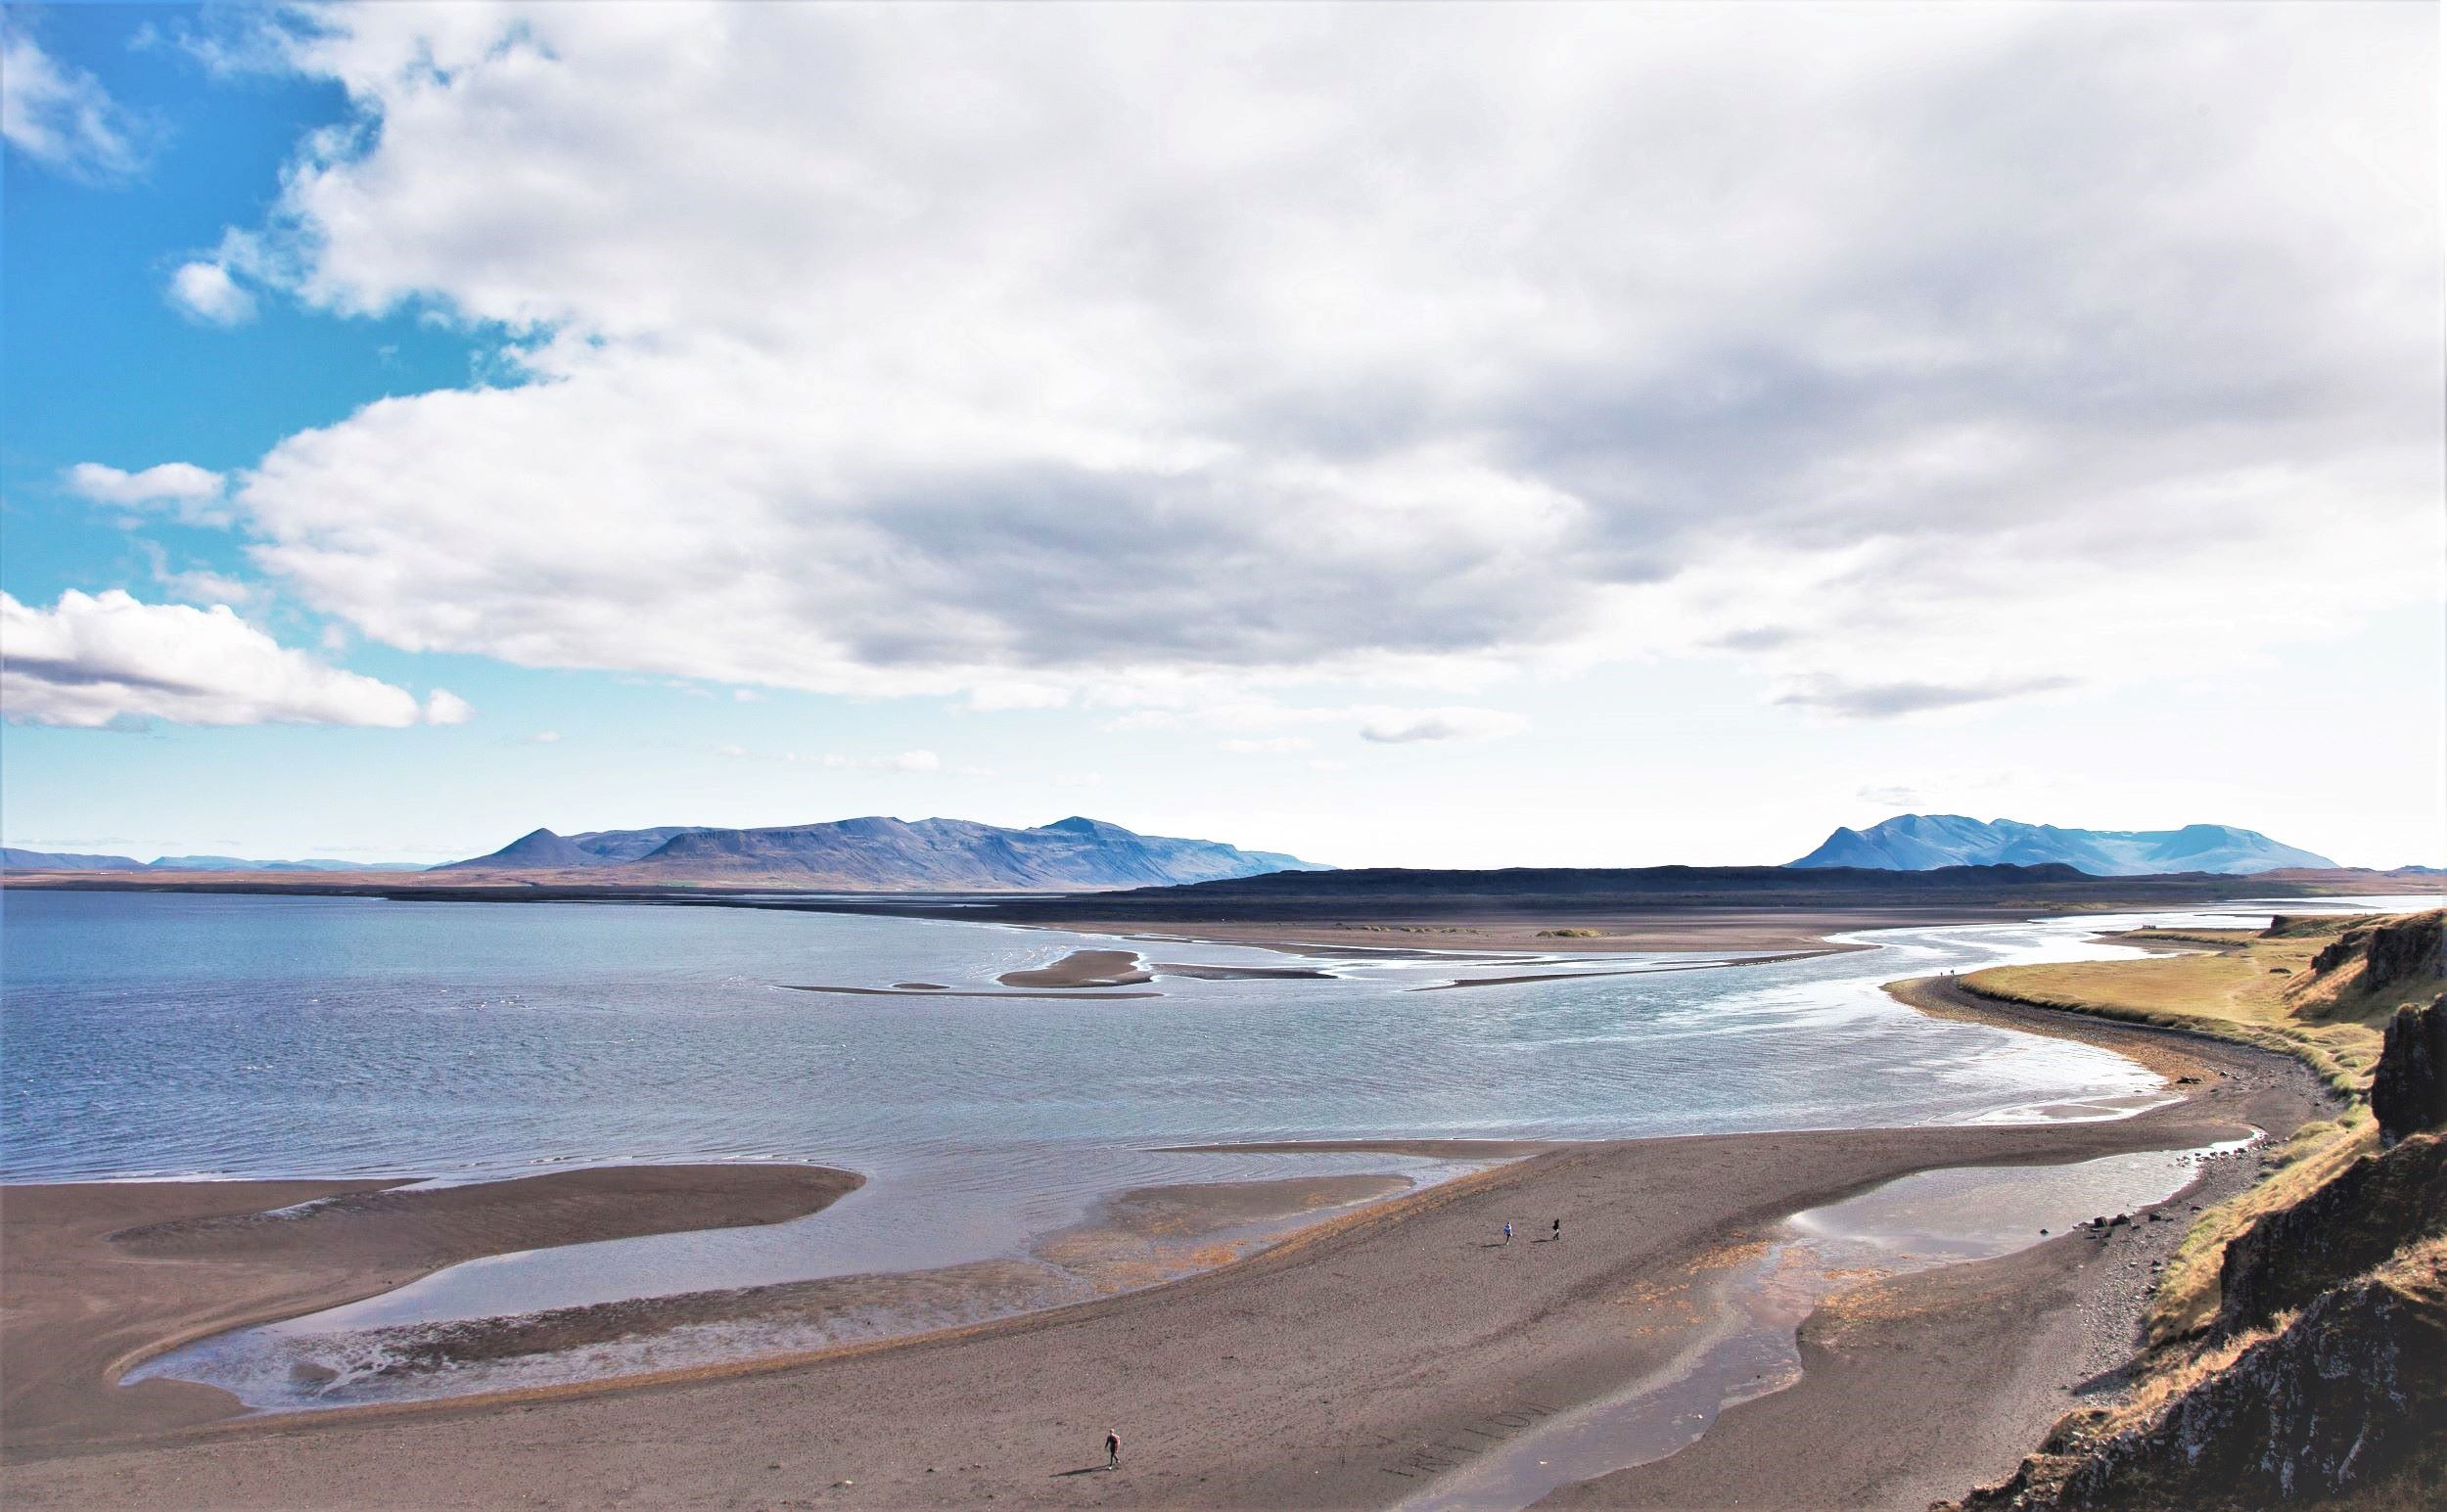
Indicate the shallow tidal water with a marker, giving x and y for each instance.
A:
(187, 1035)
(1751, 1347)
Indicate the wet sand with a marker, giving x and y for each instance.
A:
(1628, 971)
(1064, 978)
(1981, 1358)
(1082, 969)
(1142, 1237)
(907, 991)
(1787, 932)
(95, 1276)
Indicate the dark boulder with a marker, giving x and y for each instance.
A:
(2408, 1086)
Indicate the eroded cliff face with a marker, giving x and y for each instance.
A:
(2372, 967)
(2408, 1086)
(2373, 1207)
(2341, 1401)
(2323, 1379)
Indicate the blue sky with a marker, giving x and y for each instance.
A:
(1541, 451)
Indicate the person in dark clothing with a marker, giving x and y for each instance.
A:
(1113, 1449)
(1558, 1233)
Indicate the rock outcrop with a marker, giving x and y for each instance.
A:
(2352, 1223)
(2405, 949)
(2408, 1086)
(2341, 1397)
(2350, 1397)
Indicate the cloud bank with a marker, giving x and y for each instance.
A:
(107, 660)
(1911, 365)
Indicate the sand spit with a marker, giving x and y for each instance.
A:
(1791, 932)
(934, 992)
(1066, 978)
(1628, 971)
(101, 1275)
(1083, 969)
(1207, 973)
(1433, 1149)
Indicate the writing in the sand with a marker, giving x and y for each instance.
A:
(1447, 1450)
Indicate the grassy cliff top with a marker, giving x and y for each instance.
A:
(2320, 989)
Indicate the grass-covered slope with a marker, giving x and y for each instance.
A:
(2319, 989)
(2295, 1349)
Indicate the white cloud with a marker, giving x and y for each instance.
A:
(1948, 359)
(1427, 724)
(107, 659)
(197, 584)
(204, 586)
(903, 761)
(989, 696)
(733, 753)
(206, 291)
(190, 492)
(746, 696)
(544, 738)
(61, 116)
(1384, 723)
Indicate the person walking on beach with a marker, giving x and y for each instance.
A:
(1507, 1233)
(1558, 1233)
(1113, 1449)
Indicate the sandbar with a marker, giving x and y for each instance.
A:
(100, 1275)
(1082, 969)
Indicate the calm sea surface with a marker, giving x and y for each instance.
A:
(169, 1035)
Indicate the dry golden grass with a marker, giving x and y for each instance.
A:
(2240, 985)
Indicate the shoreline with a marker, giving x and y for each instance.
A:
(1226, 1361)
(1809, 1168)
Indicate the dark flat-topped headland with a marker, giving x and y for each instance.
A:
(1611, 908)
(1391, 910)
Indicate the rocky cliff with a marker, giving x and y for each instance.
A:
(2323, 1378)
(2408, 1086)
(2350, 1225)
(2346, 1402)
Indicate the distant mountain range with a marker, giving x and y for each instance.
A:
(15, 859)
(878, 854)
(1914, 842)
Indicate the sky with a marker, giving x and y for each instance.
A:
(1441, 435)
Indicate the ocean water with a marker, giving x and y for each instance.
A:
(160, 1034)
(194, 1036)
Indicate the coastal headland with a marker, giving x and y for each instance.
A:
(1391, 911)
(1347, 1367)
